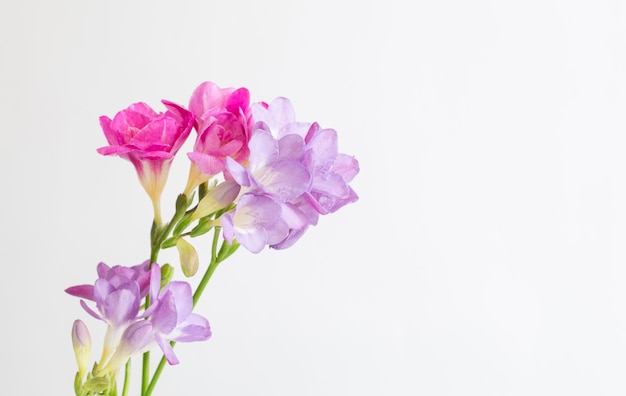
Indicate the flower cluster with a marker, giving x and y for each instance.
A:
(258, 178)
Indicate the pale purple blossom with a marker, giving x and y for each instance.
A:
(256, 222)
(118, 294)
(173, 319)
(297, 166)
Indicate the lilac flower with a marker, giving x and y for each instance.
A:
(256, 222)
(275, 177)
(117, 293)
(331, 171)
(296, 165)
(172, 320)
(169, 318)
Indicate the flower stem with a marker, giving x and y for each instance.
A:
(196, 296)
(126, 379)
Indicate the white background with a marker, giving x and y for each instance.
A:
(485, 256)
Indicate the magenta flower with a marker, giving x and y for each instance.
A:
(222, 119)
(149, 140)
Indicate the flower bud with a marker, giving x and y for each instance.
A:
(217, 198)
(81, 341)
(189, 260)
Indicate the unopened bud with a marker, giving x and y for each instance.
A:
(217, 198)
(189, 260)
(81, 341)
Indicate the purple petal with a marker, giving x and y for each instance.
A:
(82, 291)
(136, 337)
(195, 328)
(164, 317)
(346, 166)
(324, 146)
(155, 281)
(238, 172)
(181, 294)
(90, 311)
(286, 180)
(291, 147)
(282, 112)
(167, 349)
(121, 306)
(263, 149)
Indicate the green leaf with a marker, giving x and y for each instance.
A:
(97, 384)
(78, 385)
(226, 250)
(204, 225)
(182, 224)
(169, 242)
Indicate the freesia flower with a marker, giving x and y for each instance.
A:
(149, 140)
(173, 319)
(256, 222)
(223, 126)
(297, 165)
(169, 318)
(117, 293)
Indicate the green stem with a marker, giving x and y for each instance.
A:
(126, 379)
(196, 296)
(158, 234)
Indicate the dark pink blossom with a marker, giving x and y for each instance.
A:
(149, 140)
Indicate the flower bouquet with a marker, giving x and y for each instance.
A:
(257, 178)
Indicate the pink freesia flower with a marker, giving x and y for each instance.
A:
(149, 140)
(223, 121)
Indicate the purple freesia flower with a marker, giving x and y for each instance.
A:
(256, 222)
(297, 167)
(117, 293)
(170, 319)
(276, 176)
(173, 319)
